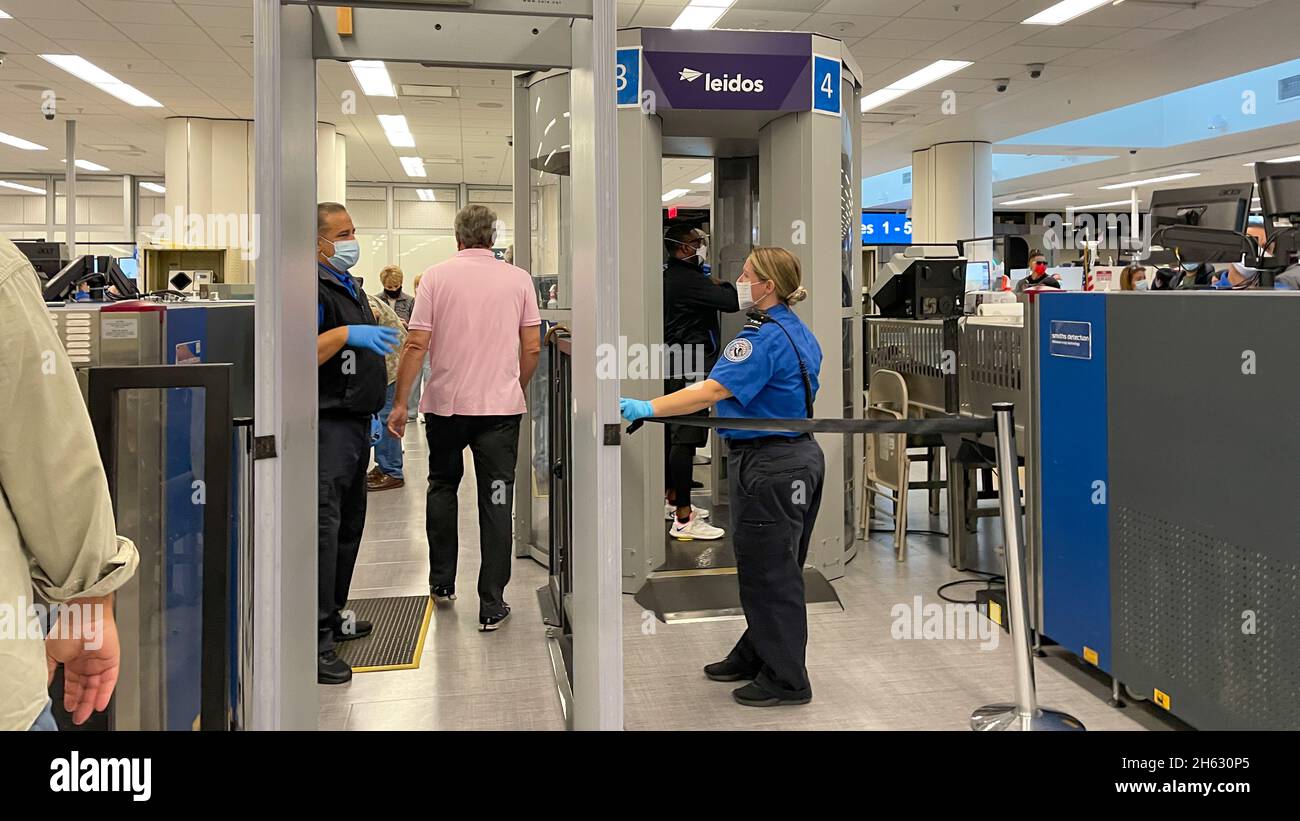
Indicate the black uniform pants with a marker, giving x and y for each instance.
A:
(775, 490)
(343, 453)
(494, 442)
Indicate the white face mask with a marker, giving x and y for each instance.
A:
(745, 293)
(1140, 285)
(702, 254)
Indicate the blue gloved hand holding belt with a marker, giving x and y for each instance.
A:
(634, 409)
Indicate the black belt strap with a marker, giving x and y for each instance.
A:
(940, 425)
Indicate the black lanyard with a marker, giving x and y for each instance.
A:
(763, 316)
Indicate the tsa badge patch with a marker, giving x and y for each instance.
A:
(739, 350)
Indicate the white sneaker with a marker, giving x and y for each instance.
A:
(694, 528)
(670, 512)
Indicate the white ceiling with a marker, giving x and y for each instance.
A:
(195, 57)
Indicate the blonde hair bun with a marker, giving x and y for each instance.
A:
(797, 295)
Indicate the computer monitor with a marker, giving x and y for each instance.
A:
(130, 267)
(978, 277)
(1279, 190)
(45, 257)
(101, 271)
(1225, 207)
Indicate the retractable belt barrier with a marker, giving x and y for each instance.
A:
(1025, 713)
(941, 425)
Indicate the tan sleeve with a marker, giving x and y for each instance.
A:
(50, 471)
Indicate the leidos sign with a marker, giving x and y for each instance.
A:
(739, 83)
(728, 70)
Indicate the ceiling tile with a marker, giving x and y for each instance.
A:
(1073, 36)
(130, 11)
(880, 47)
(1195, 18)
(881, 8)
(844, 26)
(907, 28)
(146, 34)
(761, 19)
(70, 10)
(234, 16)
(62, 31)
(1023, 54)
(169, 52)
(957, 9)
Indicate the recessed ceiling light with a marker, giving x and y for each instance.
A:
(372, 76)
(675, 193)
(917, 79)
(154, 187)
(19, 187)
(701, 14)
(1100, 205)
(19, 142)
(5, 15)
(423, 90)
(414, 166)
(1039, 198)
(1064, 11)
(425, 194)
(703, 180)
(86, 165)
(1295, 158)
(83, 69)
(1151, 181)
(396, 129)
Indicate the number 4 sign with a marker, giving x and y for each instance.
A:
(826, 85)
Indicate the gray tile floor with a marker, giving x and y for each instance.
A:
(862, 677)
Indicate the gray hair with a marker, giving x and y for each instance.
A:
(476, 226)
(323, 212)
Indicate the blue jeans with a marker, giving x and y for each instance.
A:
(45, 721)
(388, 453)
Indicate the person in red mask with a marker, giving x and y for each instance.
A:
(1038, 276)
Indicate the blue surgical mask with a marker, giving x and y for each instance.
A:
(346, 254)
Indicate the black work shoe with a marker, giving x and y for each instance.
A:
(330, 669)
(442, 595)
(751, 695)
(358, 629)
(490, 624)
(727, 670)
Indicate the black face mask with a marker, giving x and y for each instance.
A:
(393, 294)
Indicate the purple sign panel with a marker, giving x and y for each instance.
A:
(728, 70)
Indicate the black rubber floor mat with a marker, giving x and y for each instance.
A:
(400, 624)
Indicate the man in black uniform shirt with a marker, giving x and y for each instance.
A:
(692, 300)
(352, 381)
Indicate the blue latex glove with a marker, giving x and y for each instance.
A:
(376, 430)
(634, 409)
(378, 338)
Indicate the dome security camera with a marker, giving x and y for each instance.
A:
(1002, 83)
(1035, 70)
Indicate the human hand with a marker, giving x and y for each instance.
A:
(634, 409)
(378, 338)
(90, 656)
(397, 422)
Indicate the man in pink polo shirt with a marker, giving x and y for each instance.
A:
(476, 318)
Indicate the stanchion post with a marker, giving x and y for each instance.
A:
(1025, 714)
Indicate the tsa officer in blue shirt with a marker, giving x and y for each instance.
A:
(352, 381)
(775, 478)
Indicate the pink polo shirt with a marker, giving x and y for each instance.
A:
(473, 306)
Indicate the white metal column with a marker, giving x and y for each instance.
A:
(597, 538)
(284, 572)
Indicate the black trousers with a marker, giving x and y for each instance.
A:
(775, 490)
(494, 442)
(680, 443)
(343, 453)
